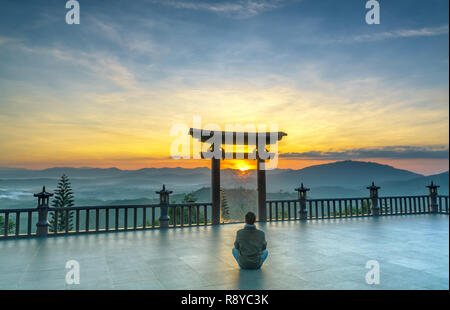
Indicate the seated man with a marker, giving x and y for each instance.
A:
(250, 245)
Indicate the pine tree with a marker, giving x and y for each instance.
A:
(189, 198)
(63, 199)
(224, 205)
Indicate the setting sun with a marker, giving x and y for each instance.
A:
(241, 165)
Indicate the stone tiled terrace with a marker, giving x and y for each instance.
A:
(412, 250)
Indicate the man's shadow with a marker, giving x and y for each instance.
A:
(250, 279)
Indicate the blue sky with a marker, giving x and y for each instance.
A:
(157, 39)
(133, 68)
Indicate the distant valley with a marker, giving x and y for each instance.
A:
(94, 186)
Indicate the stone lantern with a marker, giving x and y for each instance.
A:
(374, 198)
(302, 197)
(43, 205)
(164, 205)
(433, 197)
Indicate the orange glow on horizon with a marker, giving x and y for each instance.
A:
(422, 166)
(240, 165)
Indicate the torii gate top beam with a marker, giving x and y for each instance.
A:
(204, 135)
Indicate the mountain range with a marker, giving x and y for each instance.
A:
(106, 186)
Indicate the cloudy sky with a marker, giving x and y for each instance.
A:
(107, 92)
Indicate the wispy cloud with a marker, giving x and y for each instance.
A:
(402, 33)
(394, 152)
(104, 66)
(238, 8)
(8, 40)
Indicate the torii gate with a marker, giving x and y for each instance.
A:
(205, 135)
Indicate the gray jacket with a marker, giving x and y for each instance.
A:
(250, 243)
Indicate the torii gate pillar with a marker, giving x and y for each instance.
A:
(261, 177)
(215, 191)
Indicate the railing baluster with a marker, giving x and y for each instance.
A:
(309, 210)
(322, 215)
(174, 212)
(190, 215)
(55, 224)
(125, 219)
(66, 228)
(289, 210)
(270, 211)
(144, 217)
(6, 223)
(30, 218)
(97, 215)
(282, 210)
(295, 210)
(197, 215)
(87, 220)
(369, 209)
(135, 218)
(153, 217)
(334, 208)
(206, 214)
(107, 219)
(328, 209)
(17, 223)
(77, 220)
(276, 211)
(309, 206)
(182, 216)
(316, 208)
(116, 220)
